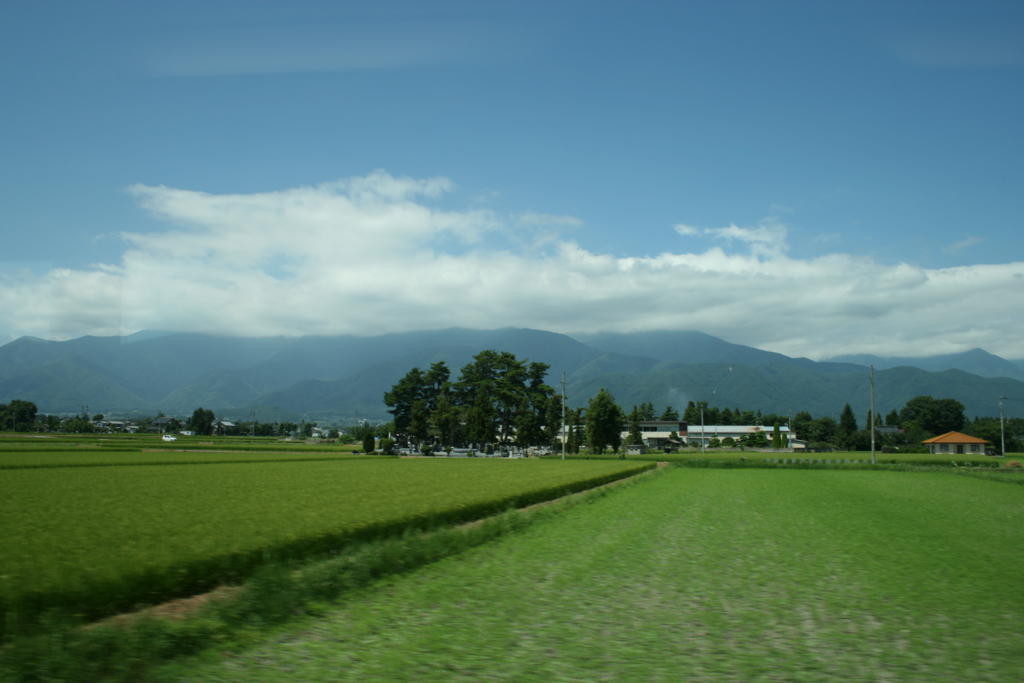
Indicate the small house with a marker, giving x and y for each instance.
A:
(956, 443)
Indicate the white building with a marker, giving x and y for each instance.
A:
(735, 432)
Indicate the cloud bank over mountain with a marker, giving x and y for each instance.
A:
(383, 253)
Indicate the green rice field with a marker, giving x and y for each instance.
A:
(695, 574)
(96, 539)
(721, 455)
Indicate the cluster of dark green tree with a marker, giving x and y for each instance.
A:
(600, 434)
(203, 421)
(17, 416)
(23, 416)
(922, 417)
(497, 399)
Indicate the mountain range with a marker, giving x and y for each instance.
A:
(340, 379)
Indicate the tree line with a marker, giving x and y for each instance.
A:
(23, 416)
(500, 399)
(497, 399)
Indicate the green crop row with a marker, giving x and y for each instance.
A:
(93, 458)
(837, 457)
(120, 442)
(100, 539)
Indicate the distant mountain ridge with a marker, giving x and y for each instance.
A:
(976, 361)
(343, 378)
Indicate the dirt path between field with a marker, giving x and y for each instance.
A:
(184, 607)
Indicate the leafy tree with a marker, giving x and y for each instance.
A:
(405, 397)
(18, 415)
(635, 438)
(892, 419)
(48, 423)
(528, 426)
(755, 439)
(264, 429)
(535, 409)
(369, 442)
(821, 431)
(78, 425)
(988, 428)
(604, 423)
(646, 410)
(435, 382)
(496, 398)
(847, 427)
(201, 421)
(445, 420)
(776, 437)
(574, 437)
(669, 414)
(800, 424)
(935, 416)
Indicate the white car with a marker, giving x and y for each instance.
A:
(169, 437)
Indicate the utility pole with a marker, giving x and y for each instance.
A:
(565, 434)
(1002, 428)
(713, 393)
(871, 417)
(702, 427)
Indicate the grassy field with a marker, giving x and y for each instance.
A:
(23, 459)
(721, 455)
(27, 444)
(696, 574)
(96, 539)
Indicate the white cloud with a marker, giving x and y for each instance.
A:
(375, 254)
(969, 241)
(768, 238)
(549, 220)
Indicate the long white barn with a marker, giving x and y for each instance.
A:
(696, 433)
(658, 434)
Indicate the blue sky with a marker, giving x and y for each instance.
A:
(812, 178)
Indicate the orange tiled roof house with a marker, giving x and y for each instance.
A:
(955, 442)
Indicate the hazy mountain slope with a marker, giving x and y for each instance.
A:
(67, 385)
(22, 355)
(785, 389)
(362, 392)
(684, 346)
(976, 361)
(346, 376)
(150, 367)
